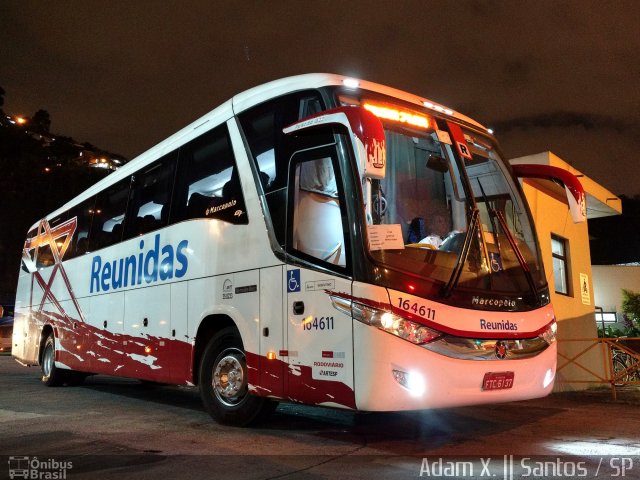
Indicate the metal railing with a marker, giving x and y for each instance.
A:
(621, 362)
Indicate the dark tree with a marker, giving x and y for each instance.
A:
(41, 121)
(2, 92)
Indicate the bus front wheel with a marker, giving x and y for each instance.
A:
(223, 382)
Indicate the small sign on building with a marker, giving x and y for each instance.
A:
(584, 289)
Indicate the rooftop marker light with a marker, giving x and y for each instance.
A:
(437, 108)
(351, 83)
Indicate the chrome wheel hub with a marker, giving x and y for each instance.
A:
(229, 383)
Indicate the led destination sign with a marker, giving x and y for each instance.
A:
(400, 116)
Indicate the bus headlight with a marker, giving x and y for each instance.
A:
(409, 330)
(412, 381)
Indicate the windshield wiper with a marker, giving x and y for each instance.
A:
(517, 251)
(494, 213)
(462, 259)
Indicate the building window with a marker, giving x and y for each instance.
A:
(606, 317)
(560, 264)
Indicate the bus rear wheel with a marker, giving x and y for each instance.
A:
(223, 383)
(51, 375)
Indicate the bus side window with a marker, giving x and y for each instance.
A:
(208, 185)
(317, 217)
(271, 149)
(150, 197)
(80, 242)
(45, 256)
(108, 215)
(29, 259)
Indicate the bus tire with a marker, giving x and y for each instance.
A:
(223, 382)
(51, 375)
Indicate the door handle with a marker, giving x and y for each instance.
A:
(298, 308)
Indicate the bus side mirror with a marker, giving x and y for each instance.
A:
(365, 130)
(576, 196)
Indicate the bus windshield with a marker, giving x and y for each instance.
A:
(463, 220)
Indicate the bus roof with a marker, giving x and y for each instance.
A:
(261, 93)
(243, 101)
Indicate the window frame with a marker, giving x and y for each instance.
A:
(321, 151)
(601, 318)
(564, 258)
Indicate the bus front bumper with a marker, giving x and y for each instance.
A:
(392, 374)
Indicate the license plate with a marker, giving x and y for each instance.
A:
(497, 380)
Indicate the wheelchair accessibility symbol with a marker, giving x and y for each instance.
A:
(293, 281)
(496, 262)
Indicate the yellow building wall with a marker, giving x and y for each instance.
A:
(575, 315)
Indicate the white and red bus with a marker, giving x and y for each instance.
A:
(316, 239)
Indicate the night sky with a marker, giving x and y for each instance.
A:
(546, 75)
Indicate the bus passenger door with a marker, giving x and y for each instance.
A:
(319, 336)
